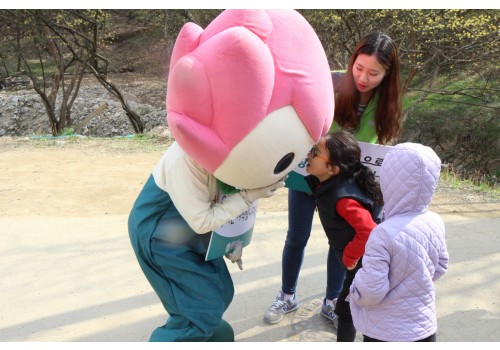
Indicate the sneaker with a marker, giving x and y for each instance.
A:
(280, 308)
(328, 310)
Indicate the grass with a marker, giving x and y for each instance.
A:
(454, 180)
(472, 93)
(462, 128)
(36, 68)
(126, 144)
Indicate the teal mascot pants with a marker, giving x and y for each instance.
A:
(194, 292)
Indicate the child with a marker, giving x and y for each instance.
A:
(393, 295)
(348, 199)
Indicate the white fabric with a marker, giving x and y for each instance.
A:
(194, 191)
(392, 298)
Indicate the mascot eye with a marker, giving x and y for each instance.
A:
(284, 163)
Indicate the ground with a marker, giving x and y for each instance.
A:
(80, 177)
(69, 273)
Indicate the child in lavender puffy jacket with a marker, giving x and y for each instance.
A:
(393, 297)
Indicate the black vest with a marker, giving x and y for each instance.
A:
(327, 194)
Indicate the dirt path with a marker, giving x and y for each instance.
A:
(67, 177)
(69, 274)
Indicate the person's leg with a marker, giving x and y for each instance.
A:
(194, 292)
(346, 332)
(369, 339)
(300, 217)
(345, 327)
(335, 274)
(223, 333)
(431, 338)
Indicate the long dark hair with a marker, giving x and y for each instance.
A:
(388, 114)
(345, 153)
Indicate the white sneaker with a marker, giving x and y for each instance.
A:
(280, 308)
(328, 311)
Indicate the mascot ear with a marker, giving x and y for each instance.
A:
(255, 21)
(187, 40)
(218, 93)
(192, 90)
(191, 83)
(250, 94)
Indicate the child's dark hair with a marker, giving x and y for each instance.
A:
(345, 153)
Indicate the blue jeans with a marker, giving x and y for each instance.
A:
(301, 208)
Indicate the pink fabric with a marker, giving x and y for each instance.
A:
(226, 79)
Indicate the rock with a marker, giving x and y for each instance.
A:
(23, 113)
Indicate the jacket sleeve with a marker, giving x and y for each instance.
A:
(361, 220)
(371, 283)
(442, 266)
(443, 257)
(188, 185)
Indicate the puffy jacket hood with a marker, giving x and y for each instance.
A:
(408, 177)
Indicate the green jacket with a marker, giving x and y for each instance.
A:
(366, 131)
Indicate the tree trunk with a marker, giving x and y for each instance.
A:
(18, 47)
(406, 83)
(133, 117)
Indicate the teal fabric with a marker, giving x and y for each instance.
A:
(224, 333)
(194, 292)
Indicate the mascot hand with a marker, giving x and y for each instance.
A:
(251, 196)
(235, 254)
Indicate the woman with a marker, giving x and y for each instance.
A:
(368, 104)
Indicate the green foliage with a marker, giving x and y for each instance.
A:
(473, 183)
(141, 142)
(340, 30)
(39, 69)
(68, 131)
(143, 137)
(430, 42)
(459, 120)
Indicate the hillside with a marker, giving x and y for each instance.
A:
(139, 64)
(138, 52)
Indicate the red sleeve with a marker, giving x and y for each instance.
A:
(361, 220)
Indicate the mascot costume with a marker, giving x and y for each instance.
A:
(247, 98)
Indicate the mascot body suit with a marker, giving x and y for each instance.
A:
(247, 98)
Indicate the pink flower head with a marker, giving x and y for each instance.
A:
(248, 96)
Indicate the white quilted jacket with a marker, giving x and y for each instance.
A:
(392, 297)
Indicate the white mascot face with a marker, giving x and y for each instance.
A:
(248, 96)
